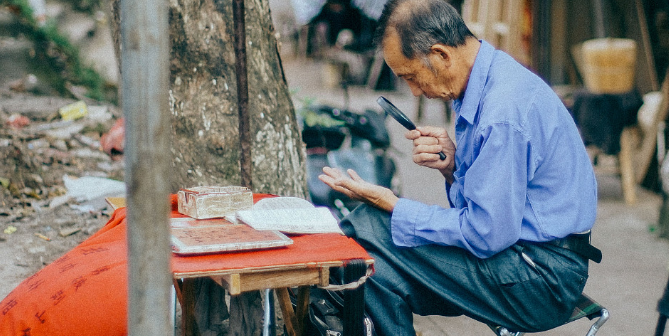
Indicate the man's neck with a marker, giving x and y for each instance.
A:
(466, 58)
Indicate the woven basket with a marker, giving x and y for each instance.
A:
(608, 65)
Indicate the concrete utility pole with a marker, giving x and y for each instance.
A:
(145, 74)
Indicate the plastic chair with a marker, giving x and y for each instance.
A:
(586, 307)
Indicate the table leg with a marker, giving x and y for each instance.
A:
(289, 319)
(302, 307)
(294, 320)
(187, 301)
(626, 166)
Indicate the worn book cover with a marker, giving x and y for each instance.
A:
(221, 237)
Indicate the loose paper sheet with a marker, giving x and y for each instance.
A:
(290, 215)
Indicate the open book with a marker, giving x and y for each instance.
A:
(289, 215)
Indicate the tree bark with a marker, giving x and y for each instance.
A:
(203, 105)
(203, 100)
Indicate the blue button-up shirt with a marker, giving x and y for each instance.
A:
(522, 172)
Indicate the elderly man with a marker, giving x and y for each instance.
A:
(513, 248)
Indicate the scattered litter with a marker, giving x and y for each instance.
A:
(37, 206)
(68, 231)
(112, 141)
(34, 107)
(30, 192)
(38, 143)
(27, 83)
(86, 152)
(73, 111)
(4, 182)
(52, 125)
(88, 141)
(87, 188)
(10, 229)
(5, 142)
(99, 113)
(34, 179)
(41, 236)
(59, 200)
(60, 144)
(107, 166)
(86, 208)
(17, 121)
(65, 132)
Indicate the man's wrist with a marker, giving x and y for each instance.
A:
(448, 175)
(387, 202)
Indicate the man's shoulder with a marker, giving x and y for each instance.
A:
(514, 95)
(513, 83)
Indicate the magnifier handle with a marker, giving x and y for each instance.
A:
(442, 156)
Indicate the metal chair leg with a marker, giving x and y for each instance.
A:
(600, 321)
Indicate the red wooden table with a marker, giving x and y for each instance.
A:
(304, 263)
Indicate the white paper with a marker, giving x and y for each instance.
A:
(291, 215)
(273, 203)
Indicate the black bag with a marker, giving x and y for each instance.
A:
(326, 307)
(325, 315)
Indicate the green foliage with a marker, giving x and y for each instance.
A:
(57, 57)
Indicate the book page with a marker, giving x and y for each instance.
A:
(273, 203)
(292, 220)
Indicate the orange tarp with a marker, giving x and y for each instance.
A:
(85, 291)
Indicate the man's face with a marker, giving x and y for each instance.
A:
(435, 81)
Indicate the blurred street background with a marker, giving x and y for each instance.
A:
(607, 60)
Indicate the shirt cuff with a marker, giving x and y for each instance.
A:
(403, 222)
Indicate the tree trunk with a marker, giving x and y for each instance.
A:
(203, 105)
(203, 100)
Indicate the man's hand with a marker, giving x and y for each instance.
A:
(428, 141)
(354, 187)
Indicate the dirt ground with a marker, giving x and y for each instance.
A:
(38, 220)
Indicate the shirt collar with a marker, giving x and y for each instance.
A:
(467, 107)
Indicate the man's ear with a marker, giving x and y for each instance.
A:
(440, 54)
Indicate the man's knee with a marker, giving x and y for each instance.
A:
(365, 218)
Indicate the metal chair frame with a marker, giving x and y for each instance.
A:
(601, 313)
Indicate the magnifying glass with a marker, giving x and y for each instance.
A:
(400, 117)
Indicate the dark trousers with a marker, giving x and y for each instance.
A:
(506, 289)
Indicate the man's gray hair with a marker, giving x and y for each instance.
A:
(421, 24)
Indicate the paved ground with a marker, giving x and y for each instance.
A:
(631, 277)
